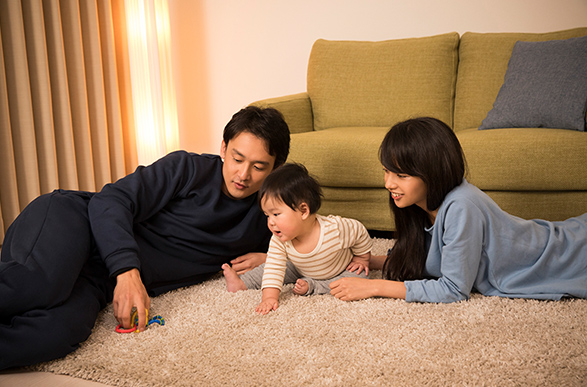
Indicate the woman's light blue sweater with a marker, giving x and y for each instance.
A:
(476, 245)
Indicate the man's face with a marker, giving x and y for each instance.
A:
(246, 165)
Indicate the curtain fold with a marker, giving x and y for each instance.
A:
(62, 112)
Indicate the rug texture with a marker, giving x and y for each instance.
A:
(214, 338)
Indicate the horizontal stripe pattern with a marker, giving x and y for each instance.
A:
(340, 240)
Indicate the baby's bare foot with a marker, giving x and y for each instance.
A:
(233, 282)
(301, 287)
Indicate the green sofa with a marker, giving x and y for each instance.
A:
(357, 90)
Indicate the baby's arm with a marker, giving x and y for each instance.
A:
(360, 263)
(269, 301)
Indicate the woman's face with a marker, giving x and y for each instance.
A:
(406, 190)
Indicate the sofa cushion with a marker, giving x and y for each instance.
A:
(341, 157)
(545, 86)
(358, 83)
(525, 159)
(483, 62)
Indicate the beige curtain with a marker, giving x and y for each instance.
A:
(64, 99)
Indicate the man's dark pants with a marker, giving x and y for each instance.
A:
(52, 280)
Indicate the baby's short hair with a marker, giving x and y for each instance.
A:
(292, 184)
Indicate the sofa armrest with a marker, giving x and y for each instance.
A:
(296, 109)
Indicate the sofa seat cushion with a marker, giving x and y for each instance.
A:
(360, 83)
(341, 157)
(526, 159)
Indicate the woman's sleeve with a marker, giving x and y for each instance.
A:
(118, 206)
(459, 253)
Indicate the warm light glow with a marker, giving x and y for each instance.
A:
(153, 92)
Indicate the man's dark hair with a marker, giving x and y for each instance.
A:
(292, 184)
(267, 124)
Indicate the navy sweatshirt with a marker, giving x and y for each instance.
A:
(172, 221)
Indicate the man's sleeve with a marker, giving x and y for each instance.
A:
(118, 206)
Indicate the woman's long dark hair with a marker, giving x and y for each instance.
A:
(426, 148)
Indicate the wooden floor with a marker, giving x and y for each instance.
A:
(15, 378)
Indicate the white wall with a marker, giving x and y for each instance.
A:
(229, 53)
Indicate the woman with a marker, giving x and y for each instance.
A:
(453, 239)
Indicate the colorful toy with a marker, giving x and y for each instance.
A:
(135, 319)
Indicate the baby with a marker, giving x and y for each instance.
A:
(307, 249)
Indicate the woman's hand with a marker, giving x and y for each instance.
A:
(247, 262)
(130, 293)
(351, 288)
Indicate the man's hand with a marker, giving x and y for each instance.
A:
(130, 293)
(247, 262)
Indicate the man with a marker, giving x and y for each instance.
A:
(165, 226)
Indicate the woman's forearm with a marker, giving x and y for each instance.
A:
(377, 261)
(389, 289)
(354, 288)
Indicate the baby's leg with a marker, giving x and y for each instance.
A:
(253, 279)
(301, 287)
(233, 282)
(250, 280)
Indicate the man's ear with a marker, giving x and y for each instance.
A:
(222, 150)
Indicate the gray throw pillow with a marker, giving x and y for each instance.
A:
(545, 86)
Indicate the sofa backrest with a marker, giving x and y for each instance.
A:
(483, 61)
(359, 83)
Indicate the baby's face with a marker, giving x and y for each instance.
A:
(283, 221)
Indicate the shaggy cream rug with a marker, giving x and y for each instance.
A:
(212, 337)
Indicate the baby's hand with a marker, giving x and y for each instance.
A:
(360, 263)
(267, 306)
(358, 267)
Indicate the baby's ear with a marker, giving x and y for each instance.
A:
(304, 209)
